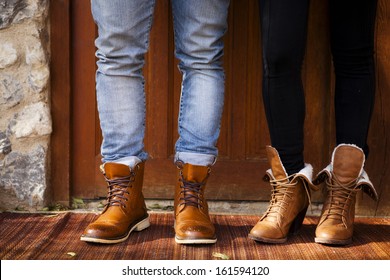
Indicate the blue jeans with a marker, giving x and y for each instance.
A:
(123, 39)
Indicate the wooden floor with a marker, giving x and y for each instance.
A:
(56, 237)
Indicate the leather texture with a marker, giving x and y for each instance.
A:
(289, 201)
(125, 210)
(192, 220)
(338, 213)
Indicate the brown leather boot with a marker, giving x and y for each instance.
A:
(192, 221)
(344, 178)
(125, 210)
(289, 201)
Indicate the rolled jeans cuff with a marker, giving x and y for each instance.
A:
(130, 161)
(195, 159)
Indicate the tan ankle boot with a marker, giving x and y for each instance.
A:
(344, 178)
(289, 201)
(125, 210)
(192, 221)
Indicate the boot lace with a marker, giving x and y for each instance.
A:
(192, 192)
(281, 194)
(339, 198)
(117, 189)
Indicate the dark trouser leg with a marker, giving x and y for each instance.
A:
(284, 28)
(352, 41)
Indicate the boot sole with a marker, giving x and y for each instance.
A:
(137, 227)
(195, 241)
(332, 241)
(267, 240)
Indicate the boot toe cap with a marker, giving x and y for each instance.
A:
(333, 235)
(195, 231)
(102, 231)
(267, 232)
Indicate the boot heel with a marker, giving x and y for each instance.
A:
(142, 225)
(297, 223)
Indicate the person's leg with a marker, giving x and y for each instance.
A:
(352, 25)
(199, 28)
(123, 39)
(283, 25)
(283, 31)
(123, 32)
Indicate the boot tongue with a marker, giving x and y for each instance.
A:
(116, 170)
(278, 170)
(348, 163)
(195, 173)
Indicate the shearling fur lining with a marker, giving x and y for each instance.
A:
(306, 173)
(367, 186)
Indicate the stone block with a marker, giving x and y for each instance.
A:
(33, 120)
(11, 91)
(12, 11)
(8, 55)
(25, 176)
(5, 144)
(38, 78)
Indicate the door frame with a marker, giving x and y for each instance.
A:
(60, 88)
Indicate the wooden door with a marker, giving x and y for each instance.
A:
(238, 173)
(241, 165)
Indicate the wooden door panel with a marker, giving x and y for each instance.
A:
(244, 133)
(378, 163)
(84, 133)
(238, 172)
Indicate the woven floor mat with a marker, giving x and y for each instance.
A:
(57, 237)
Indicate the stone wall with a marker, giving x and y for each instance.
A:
(25, 121)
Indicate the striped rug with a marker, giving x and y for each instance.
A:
(56, 237)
